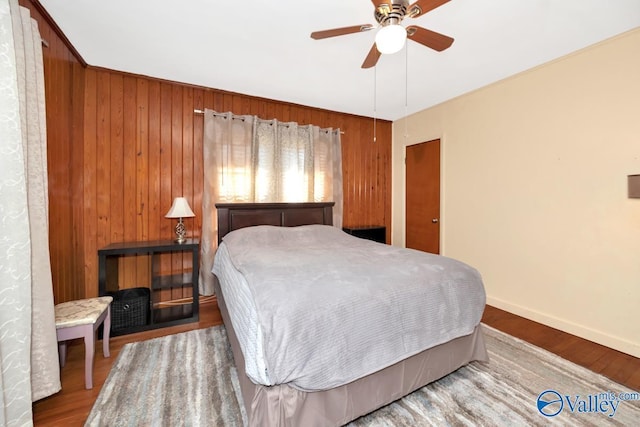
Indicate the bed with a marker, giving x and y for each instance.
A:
(306, 377)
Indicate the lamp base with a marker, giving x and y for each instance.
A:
(181, 232)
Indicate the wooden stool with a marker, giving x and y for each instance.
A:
(80, 319)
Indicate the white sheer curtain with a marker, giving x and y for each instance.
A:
(247, 159)
(28, 347)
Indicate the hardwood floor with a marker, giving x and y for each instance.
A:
(620, 367)
(71, 406)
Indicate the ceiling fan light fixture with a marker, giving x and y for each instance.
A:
(391, 38)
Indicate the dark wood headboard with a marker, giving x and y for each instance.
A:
(232, 216)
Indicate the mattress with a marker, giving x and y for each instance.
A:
(316, 308)
(243, 315)
(284, 406)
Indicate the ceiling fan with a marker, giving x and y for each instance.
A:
(391, 35)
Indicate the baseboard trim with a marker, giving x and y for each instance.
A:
(564, 325)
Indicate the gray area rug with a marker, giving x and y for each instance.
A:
(189, 379)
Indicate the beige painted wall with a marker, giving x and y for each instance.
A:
(534, 190)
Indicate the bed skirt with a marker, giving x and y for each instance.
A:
(286, 406)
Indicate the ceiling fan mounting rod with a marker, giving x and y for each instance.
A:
(391, 13)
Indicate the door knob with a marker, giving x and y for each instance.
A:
(434, 220)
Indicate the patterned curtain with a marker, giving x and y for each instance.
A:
(251, 160)
(29, 367)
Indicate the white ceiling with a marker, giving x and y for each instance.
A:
(263, 48)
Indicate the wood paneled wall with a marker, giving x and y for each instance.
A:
(122, 146)
(64, 83)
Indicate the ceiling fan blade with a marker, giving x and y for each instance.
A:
(372, 58)
(423, 6)
(340, 31)
(428, 38)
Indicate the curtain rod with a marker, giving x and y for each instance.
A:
(219, 115)
(196, 111)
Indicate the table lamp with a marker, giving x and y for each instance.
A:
(180, 209)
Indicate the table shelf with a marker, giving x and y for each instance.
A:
(168, 281)
(163, 312)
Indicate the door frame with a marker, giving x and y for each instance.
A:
(398, 191)
(424, 161)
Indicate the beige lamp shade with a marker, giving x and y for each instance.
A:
(180, 209)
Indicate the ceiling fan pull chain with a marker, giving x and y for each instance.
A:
(375, 105)
(406, 91)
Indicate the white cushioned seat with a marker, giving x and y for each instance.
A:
(80, 312)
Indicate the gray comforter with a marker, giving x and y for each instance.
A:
(334, 308)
